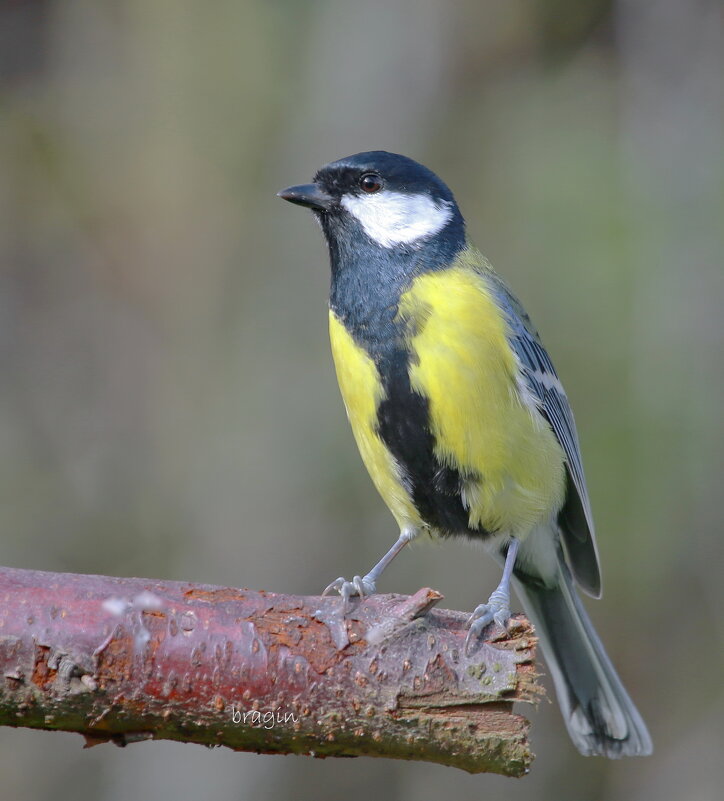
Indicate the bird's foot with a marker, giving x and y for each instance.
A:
(360, 585)
(497, 610)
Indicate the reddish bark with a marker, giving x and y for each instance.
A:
(129, 659)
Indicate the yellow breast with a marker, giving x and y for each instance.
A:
(463, 364)
(362, 392)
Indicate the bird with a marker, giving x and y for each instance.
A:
(462, 421)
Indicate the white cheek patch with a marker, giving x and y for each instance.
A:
(394, 218)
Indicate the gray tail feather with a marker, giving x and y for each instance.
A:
(601, 717)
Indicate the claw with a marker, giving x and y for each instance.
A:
(502, 619)
(335, 585)
(497, 610)
(480, 618)
(346, 593)
(362, 586)
(359, 584)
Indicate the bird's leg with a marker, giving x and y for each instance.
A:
(498, 607)
(367, 584)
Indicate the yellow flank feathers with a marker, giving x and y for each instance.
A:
(463, 364)
(362, 393)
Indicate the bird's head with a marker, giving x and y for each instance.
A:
(382, 200)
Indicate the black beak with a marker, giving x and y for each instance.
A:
(310, 195)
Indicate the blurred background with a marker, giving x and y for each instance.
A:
(168, 406)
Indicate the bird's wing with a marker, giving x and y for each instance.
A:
(541, 380)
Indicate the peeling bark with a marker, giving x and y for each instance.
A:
(132, 659)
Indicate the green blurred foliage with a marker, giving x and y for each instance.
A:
(168, 405)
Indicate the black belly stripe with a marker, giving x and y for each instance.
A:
(403, 423)
(367, 281)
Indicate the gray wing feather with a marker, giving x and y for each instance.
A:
(541, 379)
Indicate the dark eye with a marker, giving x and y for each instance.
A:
(370, 182)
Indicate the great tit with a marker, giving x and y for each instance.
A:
(462, 421)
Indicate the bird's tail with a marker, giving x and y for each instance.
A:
(600, 716)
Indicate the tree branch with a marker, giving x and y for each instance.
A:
(131, 659)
